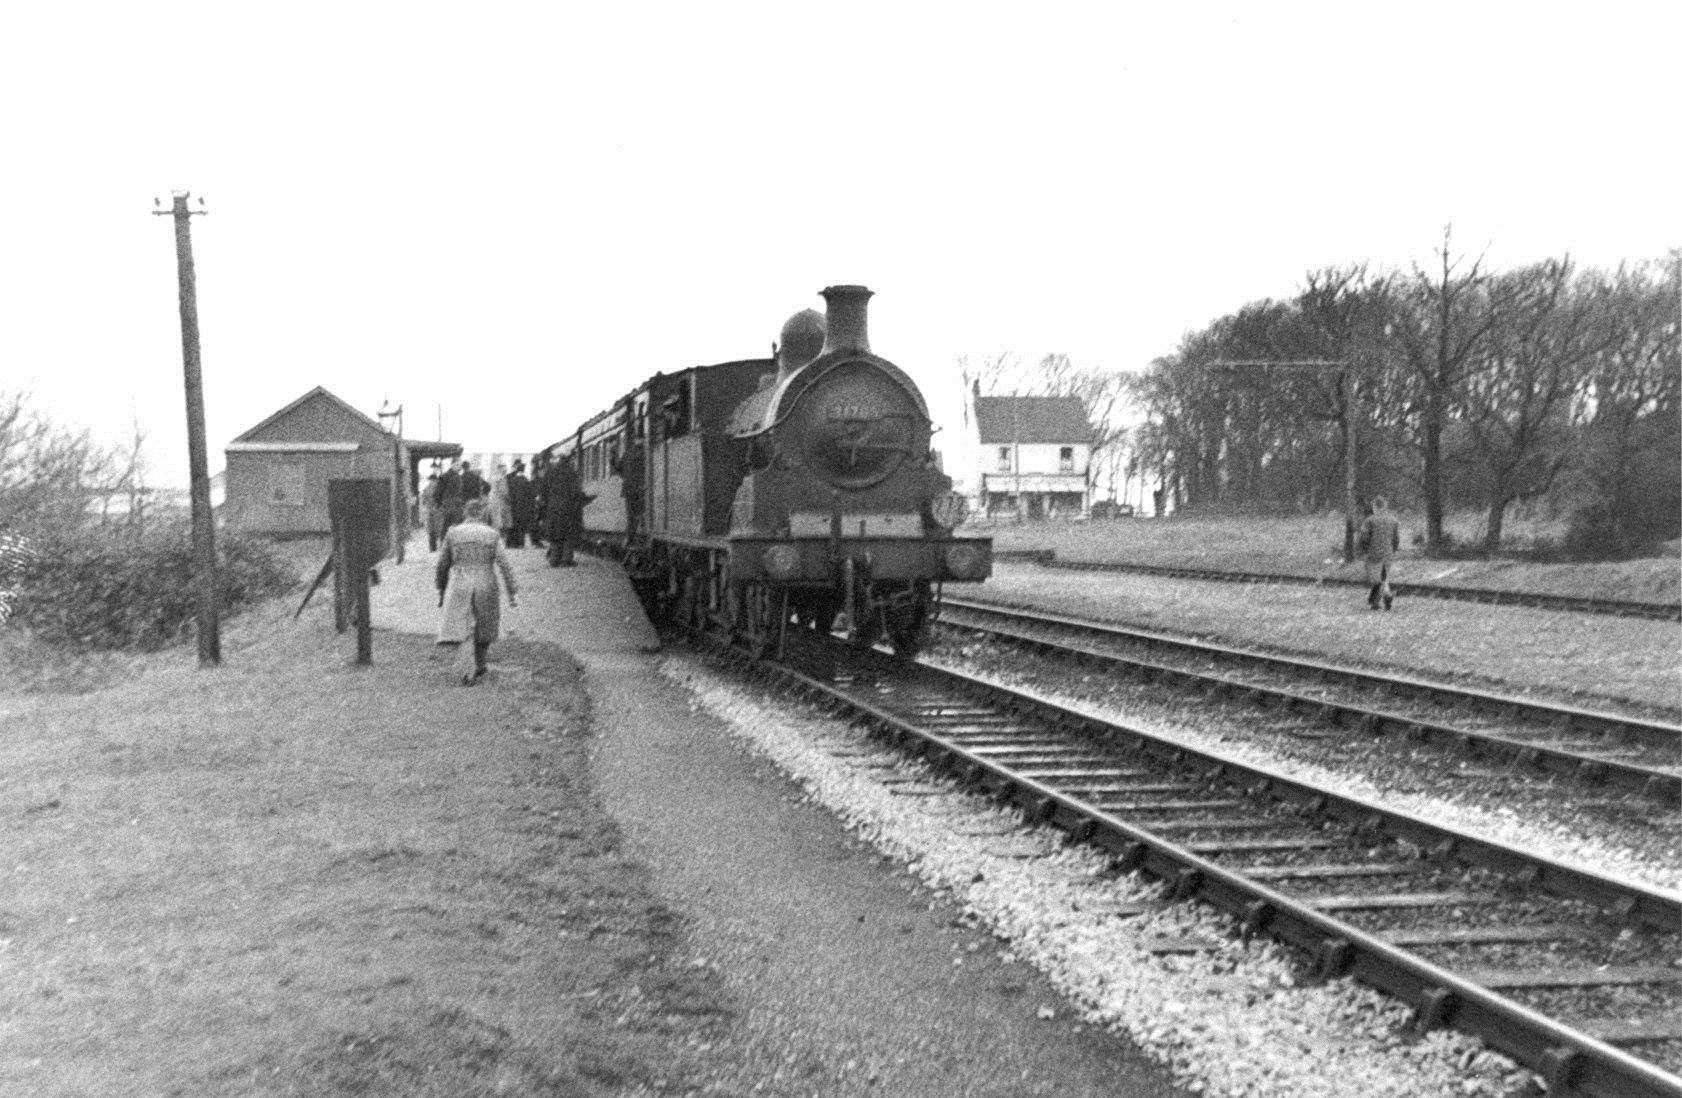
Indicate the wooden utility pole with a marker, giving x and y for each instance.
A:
(204, 522)
(1346, 379)
(399, 484)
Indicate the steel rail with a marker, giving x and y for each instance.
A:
(1625, 608)
(1584, 766)
(1570, 1061)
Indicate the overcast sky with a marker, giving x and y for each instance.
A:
(517, 212)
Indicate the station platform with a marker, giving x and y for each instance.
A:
(840, 971)
(588, 608)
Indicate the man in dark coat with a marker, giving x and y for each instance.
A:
(473, 485)
(539, 490)
(451, 498)
(563, 515)
(631, 473)
(522, 505)
(1381, 537)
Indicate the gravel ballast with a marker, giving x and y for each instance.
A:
(1226, 1020)
(1629, 852)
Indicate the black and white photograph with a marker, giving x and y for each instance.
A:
(917, 550)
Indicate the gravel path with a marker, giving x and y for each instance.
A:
(845, 975)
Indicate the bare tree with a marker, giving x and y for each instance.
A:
(1442, 321)
(46, 472)
(1531, 368)
(1629, 408)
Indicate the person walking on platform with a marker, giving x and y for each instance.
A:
(539, 497)
(632, 469)
(563, 516)
(473, 485)
(1381, 537)
(497, 513)
(522, 506)
(432, 514)
(466, 578)
(451, 498)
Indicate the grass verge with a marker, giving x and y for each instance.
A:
(1312, 545)
(293, 876)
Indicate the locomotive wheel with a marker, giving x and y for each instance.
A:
(818, 611)
(908, 623)
(909, 641)
(761, 619)
(866, 630)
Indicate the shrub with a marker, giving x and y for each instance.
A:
(132, 587)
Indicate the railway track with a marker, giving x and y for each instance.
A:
(1600, 752)
(1570, 973)
(1627, 608)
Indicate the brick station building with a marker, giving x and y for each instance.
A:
(277, 472)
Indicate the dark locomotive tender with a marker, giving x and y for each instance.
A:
(747, 495)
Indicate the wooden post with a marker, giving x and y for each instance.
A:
(1351, 519)
(341, 592)
(204, 523)
(364, 616)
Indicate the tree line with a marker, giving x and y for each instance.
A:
(1472, 387)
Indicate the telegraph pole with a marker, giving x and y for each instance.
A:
(204, 525)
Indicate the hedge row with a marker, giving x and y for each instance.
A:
(126, 587)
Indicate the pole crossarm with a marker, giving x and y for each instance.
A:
(1286, 363)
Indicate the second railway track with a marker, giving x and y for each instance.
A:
(1602, 752)
(1571, 973)
(1623, 608)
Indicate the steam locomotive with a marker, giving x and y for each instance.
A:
(797, 490)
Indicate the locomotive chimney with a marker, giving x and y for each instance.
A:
(846, 328)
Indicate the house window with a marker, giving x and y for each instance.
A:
(1066, 459)
(1004, 459)
(286, 484)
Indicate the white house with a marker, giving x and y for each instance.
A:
(1035, 456)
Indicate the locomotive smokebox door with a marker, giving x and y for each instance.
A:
(360, 511)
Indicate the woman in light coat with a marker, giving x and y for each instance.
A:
(466, 577)
(500, 516)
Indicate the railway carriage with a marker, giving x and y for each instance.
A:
(750, 495)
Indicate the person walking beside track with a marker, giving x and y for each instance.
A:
(467, 591)
(1381, 537)
(522, 506)
(563, 516)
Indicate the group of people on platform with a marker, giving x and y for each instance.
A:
(470, 522)
(546, 507)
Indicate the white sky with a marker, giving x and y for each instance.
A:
(520, 211)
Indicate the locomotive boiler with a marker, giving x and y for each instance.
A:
(800, 490)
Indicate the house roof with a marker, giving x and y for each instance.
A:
(318, 393)
(1031, 419)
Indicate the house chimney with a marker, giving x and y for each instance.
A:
(846, 330)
